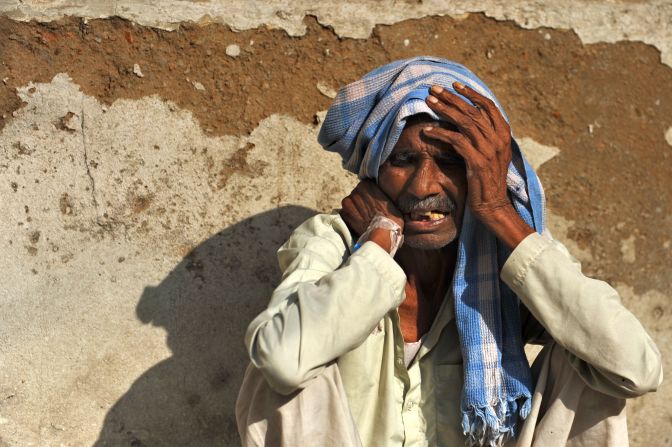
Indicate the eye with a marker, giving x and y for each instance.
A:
(401, 159)
(449, 160)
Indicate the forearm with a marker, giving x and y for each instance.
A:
(507, 225)
(320, 316)
(606, 343)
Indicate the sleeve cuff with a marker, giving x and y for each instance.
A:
(523, 256)
(385, 265)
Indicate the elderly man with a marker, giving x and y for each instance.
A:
(417, 298)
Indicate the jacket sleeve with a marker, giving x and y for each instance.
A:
(604, 342)
(327, 303)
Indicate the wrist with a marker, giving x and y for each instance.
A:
(507, 225)
(384, 232)
(381, 237)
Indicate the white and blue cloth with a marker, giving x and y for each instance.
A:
(363, 124)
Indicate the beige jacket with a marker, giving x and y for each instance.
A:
(333, 305)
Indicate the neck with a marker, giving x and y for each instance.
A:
(426, 266)
(429, 274)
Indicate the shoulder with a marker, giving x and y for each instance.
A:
(323, 235)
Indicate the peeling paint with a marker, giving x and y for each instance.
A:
(536, 153)
(559, 228)
(628, 249)
(593, 21)
(107, 207)
(81, 265)
(651, 413)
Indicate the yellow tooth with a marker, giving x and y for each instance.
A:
(435, 216)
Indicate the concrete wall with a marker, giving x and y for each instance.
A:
(155, 154)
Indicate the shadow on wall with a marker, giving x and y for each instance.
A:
(205, 305)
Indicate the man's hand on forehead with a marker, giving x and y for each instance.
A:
(483, 140)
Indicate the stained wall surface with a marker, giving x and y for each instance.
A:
(154, 155)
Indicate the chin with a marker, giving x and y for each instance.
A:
(429, 241)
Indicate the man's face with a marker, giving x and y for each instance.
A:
(426, 180)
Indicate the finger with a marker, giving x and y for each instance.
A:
(486, 105)
(464, 122)
(371, 189)
(459, 143)
(451, 98)
(474, 160)
(365, 199)
(501, 134)
(475, 113)
(359, 202)
(472, 111)
(352, 216)
(379, 199)
(348, 207)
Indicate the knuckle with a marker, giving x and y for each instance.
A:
(462, 139)
(474, 115)
(477, 164)
(466, 123)
(497, 143)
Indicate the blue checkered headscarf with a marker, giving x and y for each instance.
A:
(363, 124)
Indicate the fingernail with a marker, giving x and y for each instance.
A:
(458, 85)
(432, 99)
(428, 129)
(437, 88)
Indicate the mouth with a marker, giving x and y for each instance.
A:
(428, 215)
(423, 220)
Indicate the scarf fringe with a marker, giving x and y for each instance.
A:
(494, 425)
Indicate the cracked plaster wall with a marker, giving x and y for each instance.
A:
(593, 21)
(90, 259)
(96, 259)
(134, 242)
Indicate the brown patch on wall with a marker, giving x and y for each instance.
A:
(236, 164)
(606, 106)
(140, 203)
(65, 204)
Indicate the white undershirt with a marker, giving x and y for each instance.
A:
(410, 351)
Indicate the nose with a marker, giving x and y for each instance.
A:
(424, 182)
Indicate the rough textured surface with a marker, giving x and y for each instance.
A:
(594, 21)
(537, 154)
(142, 212)
(558, 92)
(133, 213)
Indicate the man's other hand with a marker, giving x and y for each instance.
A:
(363, 203)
